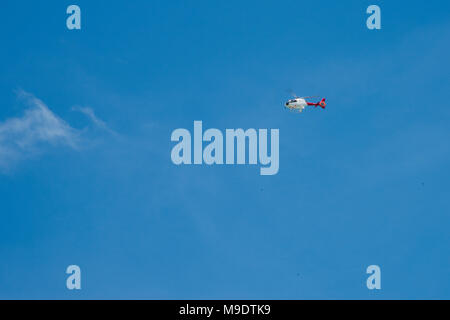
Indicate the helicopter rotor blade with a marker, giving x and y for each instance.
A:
(310, 97)
(292, 93)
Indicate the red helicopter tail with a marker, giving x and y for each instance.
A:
(322, 103)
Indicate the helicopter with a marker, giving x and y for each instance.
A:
(299, 103)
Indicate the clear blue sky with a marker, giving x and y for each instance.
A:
(364, 182)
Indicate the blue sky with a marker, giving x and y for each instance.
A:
(89, 181)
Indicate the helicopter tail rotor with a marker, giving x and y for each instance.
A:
(322, 103)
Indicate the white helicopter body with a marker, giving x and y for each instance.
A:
(297, 104)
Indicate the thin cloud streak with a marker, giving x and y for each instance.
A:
(37, 129)
(89, 112)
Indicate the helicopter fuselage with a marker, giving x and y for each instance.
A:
(297, 104)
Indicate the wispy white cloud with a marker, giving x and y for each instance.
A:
(89, 112)
(37, 129)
